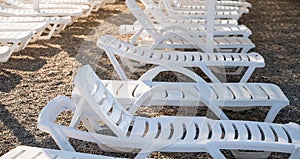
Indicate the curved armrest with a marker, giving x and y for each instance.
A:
(184, 89)
(152, 73)
(47, 117)
(187, 36)
(51, 111)
(61, 133)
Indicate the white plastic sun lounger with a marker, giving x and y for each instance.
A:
(219, 29)
(198, 28)
(176, 60)
(230, 96)
(17, 4)
(7, 11)
(36, 28)
(165, 133)
(182, 38)
(55, 24)
(16, 41)
(27, 152)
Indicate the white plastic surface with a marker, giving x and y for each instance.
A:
(165, 133)
(20, 5)
(178, 36)
(7, 11)
(17, 40)
(27, 152)
(176, 60)
(36, 28)
(233, 96)
(55, 24)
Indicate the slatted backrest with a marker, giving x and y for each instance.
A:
(101, 101)
(155, 7)
(142, 18)
(123, 49)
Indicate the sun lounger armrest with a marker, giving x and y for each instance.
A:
(170, 32)
(164, 88)
(61, 133)
(51, 111)
(152, 73)
(47, 117)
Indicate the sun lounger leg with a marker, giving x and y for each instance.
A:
(133, 39)
(142, 155)
(214, 151)
(62, 143)
(75, 121)
(247, 74)
(296, 153)
(52, 30)
(245, 49)
(218, 112)
(273, 112)
(239, 71)
(209, 74)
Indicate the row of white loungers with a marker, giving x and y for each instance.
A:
(97, 102)
(22, 22)
(104, 106)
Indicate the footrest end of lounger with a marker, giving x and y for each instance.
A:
(5, 53)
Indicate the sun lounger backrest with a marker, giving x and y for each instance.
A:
(142, 18)
(102, 101)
